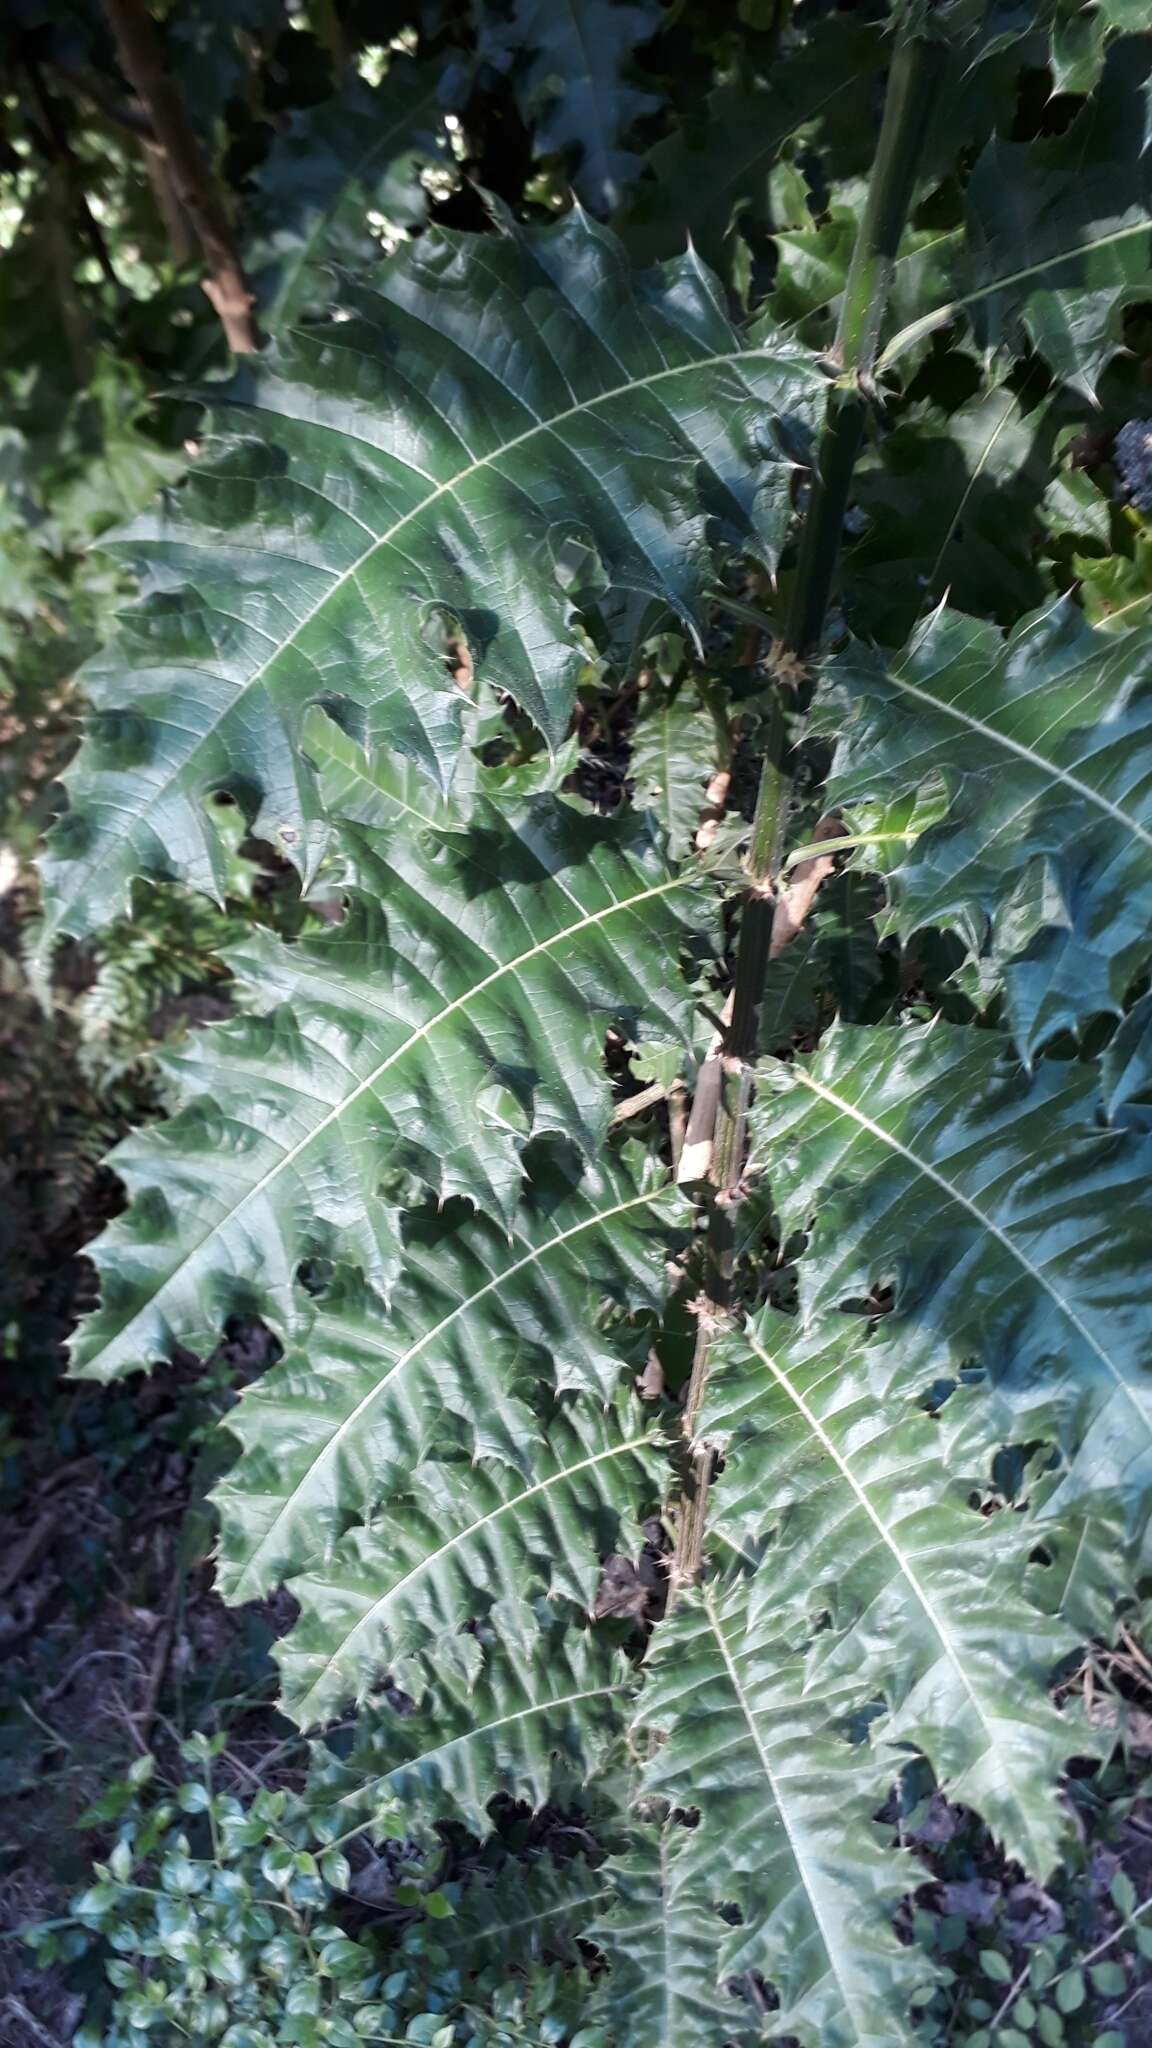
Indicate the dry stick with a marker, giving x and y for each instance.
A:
(143, 64)
(635, 1105)
(773, 914)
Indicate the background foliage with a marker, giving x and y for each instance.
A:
(425, 667)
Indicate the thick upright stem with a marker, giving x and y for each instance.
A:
(771, 799)
(142, 61)
(913, 83)
(768, 924)
(914, 80)
(836, 454)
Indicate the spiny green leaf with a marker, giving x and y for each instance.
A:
(1043, 745)
(382, 790)
(1005, 1221)
(524, 1912)
(1116, 590)
(470, 1542)
(713, 172)
(676, 745)
(843, 924)
(458, 1009)
(662, 1939)
(1126, 1068)
(446, 1754)
(483, 1321)
(870, 1552)
(785, 1830)
(568, 61)
(950, 501)
(813, 265)
(513, 428)
(1080, 35)
(1058, 235)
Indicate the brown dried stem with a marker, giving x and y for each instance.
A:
(197, 190)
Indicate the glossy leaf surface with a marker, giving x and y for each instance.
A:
(458, 1009)
(869, 1553)
(486, 1324)
(1010, 1228)
(464, 1542)
(1038, 752)
(502, 437)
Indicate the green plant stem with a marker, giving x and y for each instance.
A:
(913, 82)
(832, 472)
(771, 798)
(913, 85)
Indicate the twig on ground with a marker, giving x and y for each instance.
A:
(28, 1552)
(19, 2010)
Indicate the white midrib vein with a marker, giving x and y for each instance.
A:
(667, 1943)
(441, 490)
(433, 1557)
(907, 1573)
(766, 1766)
(916, 329)
(493, 1286)
(474, 1734)
(1040, 761)
(1009, 405)
(963, 1201)
(417, 1037)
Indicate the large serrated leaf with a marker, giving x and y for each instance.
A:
(459, 1009)
(1043, 745)
(662, 1938)
(1058, 232)
(512, 427)
(785, 1831)
(871, 1552)
(483, 1321)
(462, 1741)
(1013, 1232)
(471, 1542)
